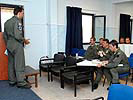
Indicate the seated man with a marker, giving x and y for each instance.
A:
(105, 55)
(127, 40)
(91, 52)
(122, 40)
(100, 46)
(119, 57)
(105, 52)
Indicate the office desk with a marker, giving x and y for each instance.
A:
(126, 48)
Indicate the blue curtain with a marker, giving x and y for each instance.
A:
(74, 29)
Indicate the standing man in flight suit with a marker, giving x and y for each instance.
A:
(14, 40)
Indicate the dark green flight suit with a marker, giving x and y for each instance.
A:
(101, 71)
(117, 58)
(100, 47)
(91, 52)
(14, 42)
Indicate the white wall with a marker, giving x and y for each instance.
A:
(121, 1)
(35, 29)
(98, 7)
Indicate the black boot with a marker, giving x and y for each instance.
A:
(95, 86)
(27, 86)
(12, 84)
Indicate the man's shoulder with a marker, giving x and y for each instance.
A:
(120, 52)
(10, 21)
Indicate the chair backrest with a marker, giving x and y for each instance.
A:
(59, 57)
(81, 52)
(130, 60)
(131, 55)
(74, 51)
(124, 75)
(120, 92)
(70, 61)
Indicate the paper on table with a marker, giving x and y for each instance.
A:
(96, 61)
(6, 52)
(88, 63)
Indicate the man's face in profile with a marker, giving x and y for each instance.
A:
(92, 42)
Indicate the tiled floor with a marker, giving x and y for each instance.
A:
(52, 91)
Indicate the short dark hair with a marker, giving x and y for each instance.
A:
(114, 43)
(17, 9)
(101, 39)
(106, 40)
(93, 38)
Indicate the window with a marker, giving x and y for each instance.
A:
(93, 26)
(100, 24)
(87, 27)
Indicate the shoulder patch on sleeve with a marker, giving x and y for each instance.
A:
(20, 26)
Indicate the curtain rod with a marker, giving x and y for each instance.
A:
(90, 10)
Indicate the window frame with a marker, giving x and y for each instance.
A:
(89, 14)
(104, 34)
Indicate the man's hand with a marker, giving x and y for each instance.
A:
(104, 63)
(26, 41)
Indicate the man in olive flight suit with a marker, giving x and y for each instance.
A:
(119, 57)
(91, 52)
(104, 54)
(100, 45)
(14, 42)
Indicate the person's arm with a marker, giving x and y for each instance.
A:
(115, 62)
(107, 55)
(5, 37)
(18, 34)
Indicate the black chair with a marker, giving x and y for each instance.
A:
(45, 63)
(55, 69)
(75, 75)
(59, 61)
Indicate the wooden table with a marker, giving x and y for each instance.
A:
(29, 71)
